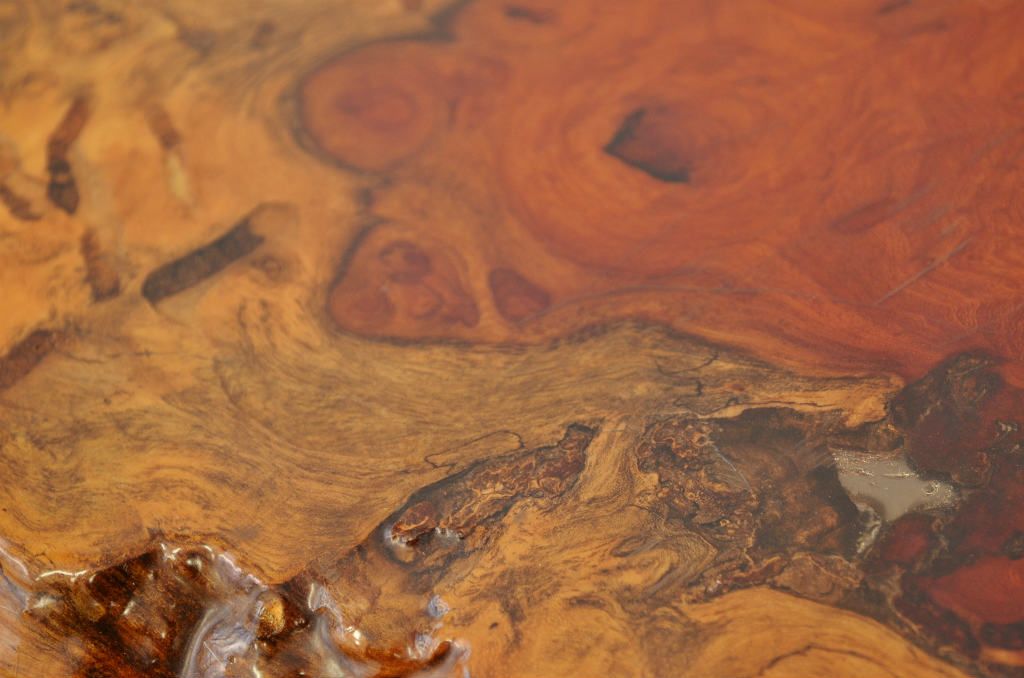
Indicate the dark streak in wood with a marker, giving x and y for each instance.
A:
(193, 268)
(814, 647)
(528, 14)
(26, 355)
(62, 188)
(893, 5)
(160, 123)
(100, 274)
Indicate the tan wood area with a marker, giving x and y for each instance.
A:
(511, 338)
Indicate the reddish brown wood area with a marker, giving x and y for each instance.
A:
(833, 184)
(511, 338)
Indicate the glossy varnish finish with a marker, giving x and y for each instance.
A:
(522, 338)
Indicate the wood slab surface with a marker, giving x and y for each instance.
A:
(511, 338)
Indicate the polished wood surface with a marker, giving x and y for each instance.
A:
(511, 338)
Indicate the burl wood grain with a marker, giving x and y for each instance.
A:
(833, 184)
(519, 338)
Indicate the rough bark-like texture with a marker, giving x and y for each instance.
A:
(532, 338)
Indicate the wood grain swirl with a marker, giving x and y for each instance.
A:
(815, 183)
